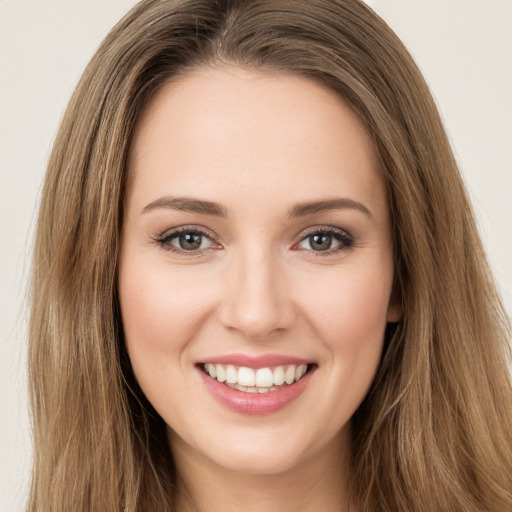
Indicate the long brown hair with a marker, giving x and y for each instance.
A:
(433, 434)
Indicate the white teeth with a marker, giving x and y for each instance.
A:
(279, 376)
(212, 370)
(237, 386)
(289, 376)
(300, 371)
(261, 380)
(231, 374)
(251, 389)
(264, 378)
(221, 374)
(246, 376)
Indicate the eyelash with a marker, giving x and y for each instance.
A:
(345, 240)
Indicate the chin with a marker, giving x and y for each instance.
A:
(258, 460)
(267, 450)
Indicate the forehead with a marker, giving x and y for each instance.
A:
(215, 131)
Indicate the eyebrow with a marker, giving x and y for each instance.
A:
(187, 204)
(191, 204)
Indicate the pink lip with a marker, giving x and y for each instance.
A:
(256, 404)
(263, 361)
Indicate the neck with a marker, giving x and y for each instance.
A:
(317, 483)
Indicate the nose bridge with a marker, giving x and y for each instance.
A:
(257, 300)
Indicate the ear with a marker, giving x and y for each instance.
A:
(394, 314)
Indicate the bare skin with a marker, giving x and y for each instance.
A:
(268, 274)
(205, 486)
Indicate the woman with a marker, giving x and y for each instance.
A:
(257, 278)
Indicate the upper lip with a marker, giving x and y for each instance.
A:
(261, 361)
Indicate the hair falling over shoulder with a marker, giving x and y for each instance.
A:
(433, 434)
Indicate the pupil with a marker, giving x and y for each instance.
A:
(320, 242)
(190, 241)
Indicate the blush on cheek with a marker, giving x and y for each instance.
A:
(353, 309)
(158, 311)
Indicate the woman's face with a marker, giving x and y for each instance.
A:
(256, 242)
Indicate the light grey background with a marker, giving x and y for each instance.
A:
(464, 48)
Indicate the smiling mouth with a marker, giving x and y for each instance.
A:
(257, 380)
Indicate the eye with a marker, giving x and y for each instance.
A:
(327, 240)
(185, 240)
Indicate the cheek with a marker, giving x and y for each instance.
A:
(350, 316)
(161, 310)
(353, 296)
(161, 314)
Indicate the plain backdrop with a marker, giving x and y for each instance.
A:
(464, 48)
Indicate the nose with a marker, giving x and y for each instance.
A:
(257, 300)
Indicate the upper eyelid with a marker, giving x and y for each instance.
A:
(329, 229)
(172, 232)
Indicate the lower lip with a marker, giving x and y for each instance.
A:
(256, 404)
